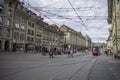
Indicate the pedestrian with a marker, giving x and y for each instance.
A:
(71, 54)
(51, 54)
(68, 52)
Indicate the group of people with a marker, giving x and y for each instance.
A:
(108, 52)
(51, 53)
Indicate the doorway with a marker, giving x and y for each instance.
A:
(7, 45)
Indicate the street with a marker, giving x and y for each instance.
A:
(38, 67)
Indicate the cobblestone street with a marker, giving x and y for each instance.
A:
(39, 67)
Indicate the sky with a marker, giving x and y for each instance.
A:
(92, 20)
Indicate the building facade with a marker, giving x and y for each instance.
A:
(6, 24)
(23, 30)
(72, 39)
(114, 20)
(88, 42)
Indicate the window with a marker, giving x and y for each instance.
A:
(1, 19)
(1, 8)
(17, 17)
(7, 32)
(0, 44)
(32, 39)
(23, 20)
(29, 32)
(16, 35)
(8, 22)
(33, 25)
(29, 23)
(10, 4)
(17, 26)
(22, 37)
(9, 13)
(32, 33)
(23, 27)
(28, 38)
(0, 32)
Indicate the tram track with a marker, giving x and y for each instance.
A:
(57, 76)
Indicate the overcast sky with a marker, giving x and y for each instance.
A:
(92, 12)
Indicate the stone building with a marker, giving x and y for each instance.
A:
(88, 42)
(72, 39)
(23, 30)
(114, 20)
(6, 24)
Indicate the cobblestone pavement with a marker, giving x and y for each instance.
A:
(34, 66)
(105, 68)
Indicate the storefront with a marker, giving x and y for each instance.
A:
(18, 47)
(29, 47)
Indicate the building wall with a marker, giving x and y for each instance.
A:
(73, 39)
(114, 12)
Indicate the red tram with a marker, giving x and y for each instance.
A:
(95, 51)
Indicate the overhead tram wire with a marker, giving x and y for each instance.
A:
(40, 12)
(77, 15)
(58, 15)
(52, 14)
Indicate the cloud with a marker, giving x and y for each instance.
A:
(88, 9)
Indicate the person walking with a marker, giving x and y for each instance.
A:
(51, 54)
(71, 54)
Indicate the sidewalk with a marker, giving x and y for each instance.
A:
(105, 68)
